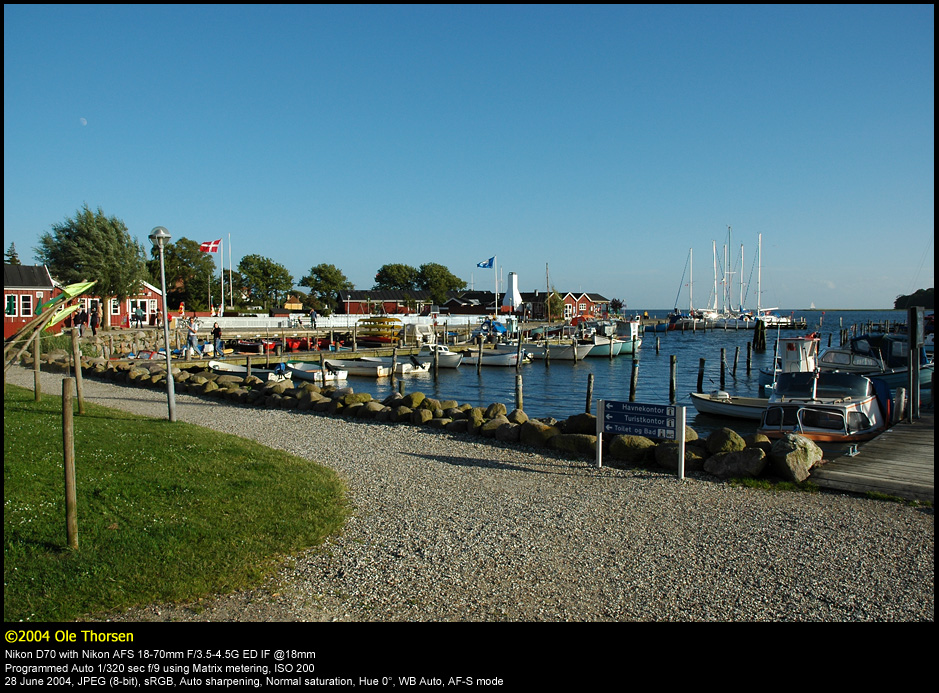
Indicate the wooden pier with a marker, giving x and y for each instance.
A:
(899, 462)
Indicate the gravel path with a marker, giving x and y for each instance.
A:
(448, 528)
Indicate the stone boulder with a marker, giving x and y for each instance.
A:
(536, 434)
(580, 444)
(666, 456)
(581, 423)
(495, 409)
(793, 456)
(517, 416)
(413, 400)
(633, 450)
(746, 463)
(724, 440)
(489, 428)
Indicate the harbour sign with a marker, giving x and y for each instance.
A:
(635, 419)
(662, 421)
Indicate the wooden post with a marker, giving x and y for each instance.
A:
(394, 362)
(574, 347)
(355, 338)
(479, 353)
(518, 392)
(657, 338)
(723, 365)
(672, 377)
(518, 360)
(68, 448)
(633, 379)
(736, 357)
(547, 351)
(589, 391)
(248, 366)
(700, 375)
(76, 355)
(37, 387)
(436, 362)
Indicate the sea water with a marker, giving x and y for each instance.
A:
(559, 389)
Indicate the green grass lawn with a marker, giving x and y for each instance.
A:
(166, 511)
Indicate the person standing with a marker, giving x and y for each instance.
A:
(217, 342)
(313, 318)
(94, 321)
(194, 336)
(81, 321)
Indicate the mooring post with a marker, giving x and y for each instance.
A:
(479, 354)
(672, 377)
(248, 366)
(749, 353)
(518, 392)
(632, 380)
(589, 390)
(723, 365)
(736, 357)
(700, 375)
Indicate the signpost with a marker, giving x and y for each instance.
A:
(637, 419)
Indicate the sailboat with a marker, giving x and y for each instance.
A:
(769, 318)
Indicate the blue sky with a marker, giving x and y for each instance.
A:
(599, 143)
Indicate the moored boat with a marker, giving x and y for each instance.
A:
(402, 366)
(301, 370)
(881, 356)
(445, 357)
(280, 372)
(826, 407)
(720, 403)
(494, 358)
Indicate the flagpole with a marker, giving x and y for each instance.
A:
(495, 272)
(221, 272)
(231, 290)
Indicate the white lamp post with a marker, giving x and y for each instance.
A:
(159, 237)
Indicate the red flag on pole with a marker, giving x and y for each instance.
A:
(210, 246)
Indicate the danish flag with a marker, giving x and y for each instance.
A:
(210, 246)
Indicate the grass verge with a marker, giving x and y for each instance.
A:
(166, 511)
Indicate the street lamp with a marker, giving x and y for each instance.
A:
(159, 237)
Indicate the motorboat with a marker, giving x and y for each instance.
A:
(445, 357)
(376, 367)
(826, 407)
(279, 372)
(405, 365)
(884, 356)
(257, 346)
(720, 403)
(602, 346)
(305, 370)
(559, 351)
(494, 358)
(793, 355)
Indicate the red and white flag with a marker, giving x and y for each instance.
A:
(210, 246)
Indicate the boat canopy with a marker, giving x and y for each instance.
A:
(821, 386)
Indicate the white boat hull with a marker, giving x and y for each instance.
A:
(312, 373)
(723, 404)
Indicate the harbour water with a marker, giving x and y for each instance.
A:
(559, 389)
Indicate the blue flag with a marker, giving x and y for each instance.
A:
(487, 264)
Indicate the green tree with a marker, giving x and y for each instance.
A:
(396, 277)
(10, 257)
(438, 280)
(616, 305)
(94, 247)
(920, 297)
(188, 273)
(265, 280)
(325, 282)
(554, 305)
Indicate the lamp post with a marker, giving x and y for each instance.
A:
(159, 237)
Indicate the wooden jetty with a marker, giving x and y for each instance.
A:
(899, 462)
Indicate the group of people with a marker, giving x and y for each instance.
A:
(83, 318)
(192, 329)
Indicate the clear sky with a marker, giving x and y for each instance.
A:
(599, 143)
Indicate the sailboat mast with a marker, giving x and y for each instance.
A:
(759, 272)
(690, 280)
(714, 255)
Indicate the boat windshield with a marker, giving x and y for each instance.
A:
(829, 386)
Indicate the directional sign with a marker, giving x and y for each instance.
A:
(666, 422)
(632, 418)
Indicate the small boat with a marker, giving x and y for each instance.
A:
(372, 368)
(494, 358)
(602, 346)
(793, 355)
(720, 403)
(402, 366)
(825, 407)
(297, 343)
(311, 372)
(557, 351)
(257, 346)
(280, 372)
(445, 357)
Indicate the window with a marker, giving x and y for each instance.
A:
(26, 305)
(11, 305)
(115, 307)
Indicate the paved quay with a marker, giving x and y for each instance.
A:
(450, 528)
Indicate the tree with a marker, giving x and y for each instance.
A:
(920, 297)
(554, 305)
(94, 247)
(265, 280)
(325, 282)
(188, 272)
(11, 257)
(396, 277)
(616, 305)
(438, 280)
